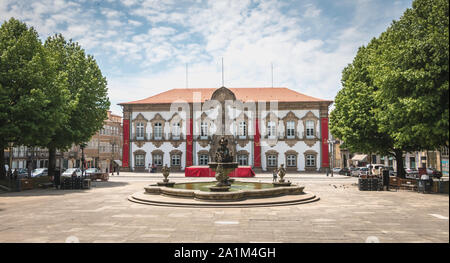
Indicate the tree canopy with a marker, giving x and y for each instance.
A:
(88, 97)
(88, 100)
(32, 92)
(395, 93)
(52, 95)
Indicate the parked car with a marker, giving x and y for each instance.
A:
(22, 172)
(337, 170)
(39, 172)
(363, 171)
(431, 172)
(95, 173)
(345, 171)
(391, 171)
(354, 171)
(412, 173)
(90, 171)
(434, 173)
(69, 172)
(375, 168)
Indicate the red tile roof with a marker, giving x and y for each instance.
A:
(243, 94)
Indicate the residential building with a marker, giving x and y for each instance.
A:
(104, 151)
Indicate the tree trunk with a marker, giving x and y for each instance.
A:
(51, 161)
(400, 167)
(2, 163)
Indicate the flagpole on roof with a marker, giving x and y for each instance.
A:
(272, 73)
(223, 85)
(186, 75)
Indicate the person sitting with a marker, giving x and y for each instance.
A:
(153, 168)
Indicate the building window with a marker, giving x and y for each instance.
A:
(272, 160)
(243, 159)
(271, 129)
(176, 160)
(242, 129)
(290, 129)
(204, 129)
(391, 162)
(291, 160)
(310, 160)
(203, 159)
(176, 131)
(374, 159)
(140, 131)
(140, 160)
(444, 151)
(157, 159)
(309, 129)
(158, 131)
(412, 162)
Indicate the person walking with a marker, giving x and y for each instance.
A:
(424, 181)
(17, 182)
(274, 175)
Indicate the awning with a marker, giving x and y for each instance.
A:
(118, 162)
(360, 158)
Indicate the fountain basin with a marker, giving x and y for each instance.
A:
(238, 191)
(278, 184)
(167, 184)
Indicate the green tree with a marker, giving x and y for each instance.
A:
(411, 68)
(88, 96)
(32, 92)
(395, 93)
(353, 119)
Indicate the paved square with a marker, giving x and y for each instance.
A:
(103, 214)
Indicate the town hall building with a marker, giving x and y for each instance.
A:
(265, 127)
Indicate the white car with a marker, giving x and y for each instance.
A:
(69, 172)
(39, 172)
(375, 168)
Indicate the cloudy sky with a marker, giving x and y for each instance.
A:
(142, 46)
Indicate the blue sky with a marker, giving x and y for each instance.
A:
(142, 46)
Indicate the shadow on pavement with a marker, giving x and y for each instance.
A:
(53, 191)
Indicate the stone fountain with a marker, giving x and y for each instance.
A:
(223, 165)
(165, 171)
(224, 192)
(281, 173)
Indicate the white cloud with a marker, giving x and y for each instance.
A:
(157, 38)
(311, 11)
(134, 22)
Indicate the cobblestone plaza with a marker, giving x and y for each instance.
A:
(343, 214)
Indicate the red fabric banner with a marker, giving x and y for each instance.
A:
(189, 142)
(126, 144)
(324, 131)
(204, 171)
(257, 146)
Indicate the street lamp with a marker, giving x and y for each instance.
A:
(82, 146)
(11, 151)
(331, 142)
(113, 144)
(30, 154)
